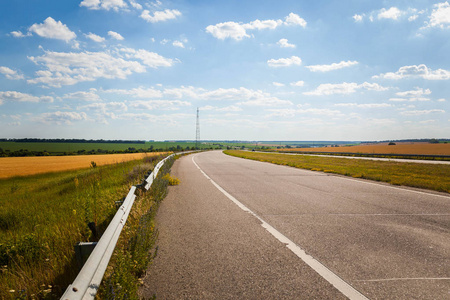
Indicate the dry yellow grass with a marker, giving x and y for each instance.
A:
(22, 166)
(412, 148)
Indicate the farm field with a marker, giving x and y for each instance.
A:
(43, 216)
(23, 166)
(426, 176)
(406, 148)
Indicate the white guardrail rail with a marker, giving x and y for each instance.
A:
(87, 283)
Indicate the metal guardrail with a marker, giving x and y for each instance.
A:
(87, 283)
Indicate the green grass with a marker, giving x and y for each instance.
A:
(428, 176)
(42, 217)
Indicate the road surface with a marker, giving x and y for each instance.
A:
(241, 229)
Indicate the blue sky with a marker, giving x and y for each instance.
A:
(258, 70)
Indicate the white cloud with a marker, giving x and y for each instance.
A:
(364, 105)
(104, 4)
(227, 30)
(441, 100)
(392, 13)
(414, 71)
(95, 38)
(294, 19)
(140, 92)
(421, 112)
(14, 96)
(60, 117)
(343, 88)
(358, 18)
(440, 17)
(19, 34)
(10, 74)
(320, 111)
(62, 68)
(414, 93)
(333, 66)
(115, 106)
(151, 59)
(278, 84)
(135, 4)
(85, 96)
(159, 104)
(53, 30)
(267, 101)
(160, 16)
(284, 62)
(238, 31)
(284, 44)
(298, 83)
(115, 35)
(178, 44)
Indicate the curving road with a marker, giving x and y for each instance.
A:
(243, 229)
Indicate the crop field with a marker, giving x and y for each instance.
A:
(23, 166)
(43, 216)
(427, 176)
(406, 148)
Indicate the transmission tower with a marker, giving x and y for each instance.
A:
(197, 132)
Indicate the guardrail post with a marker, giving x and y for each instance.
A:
(82, 252)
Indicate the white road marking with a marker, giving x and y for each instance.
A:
(317, 266)
(396, 279)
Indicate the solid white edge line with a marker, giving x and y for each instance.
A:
(317, 266)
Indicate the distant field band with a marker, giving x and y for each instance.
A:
(22, 166)
(417, 148)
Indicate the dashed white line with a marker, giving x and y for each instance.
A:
(317, 266)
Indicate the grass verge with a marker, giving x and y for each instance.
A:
(43, 216)
(133, 251)
(427, 176)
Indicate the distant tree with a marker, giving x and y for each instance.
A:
(434, 141)
(391, 144)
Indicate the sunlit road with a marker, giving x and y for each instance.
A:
(240, 229)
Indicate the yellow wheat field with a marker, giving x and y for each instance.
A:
(403, 148)
(22, 166)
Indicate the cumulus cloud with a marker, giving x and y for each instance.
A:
(414, 71)
(178, 44)
(284, 62)
(53, 30)
(151, 59)
(160, 16)
(19, 34)
(364, 105)
(421, 112)
(115, 5)
(91, 95)
(358, 18)
(238, 31)
(14, 96)
(285, 44)
(60, 117)
(392, 13)
(10, 74)
(418, 92)
(343, 88)
(62, 68)
(115, 35)
(104, 107)
(135, 4)
(298, 83)
(278, 84)
(95, 38)
(440, 17)
(159, 104)
(333, 66)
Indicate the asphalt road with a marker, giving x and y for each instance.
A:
(240, 229)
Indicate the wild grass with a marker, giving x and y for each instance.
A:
(428, 176)
(133, 251)
(42, 217)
